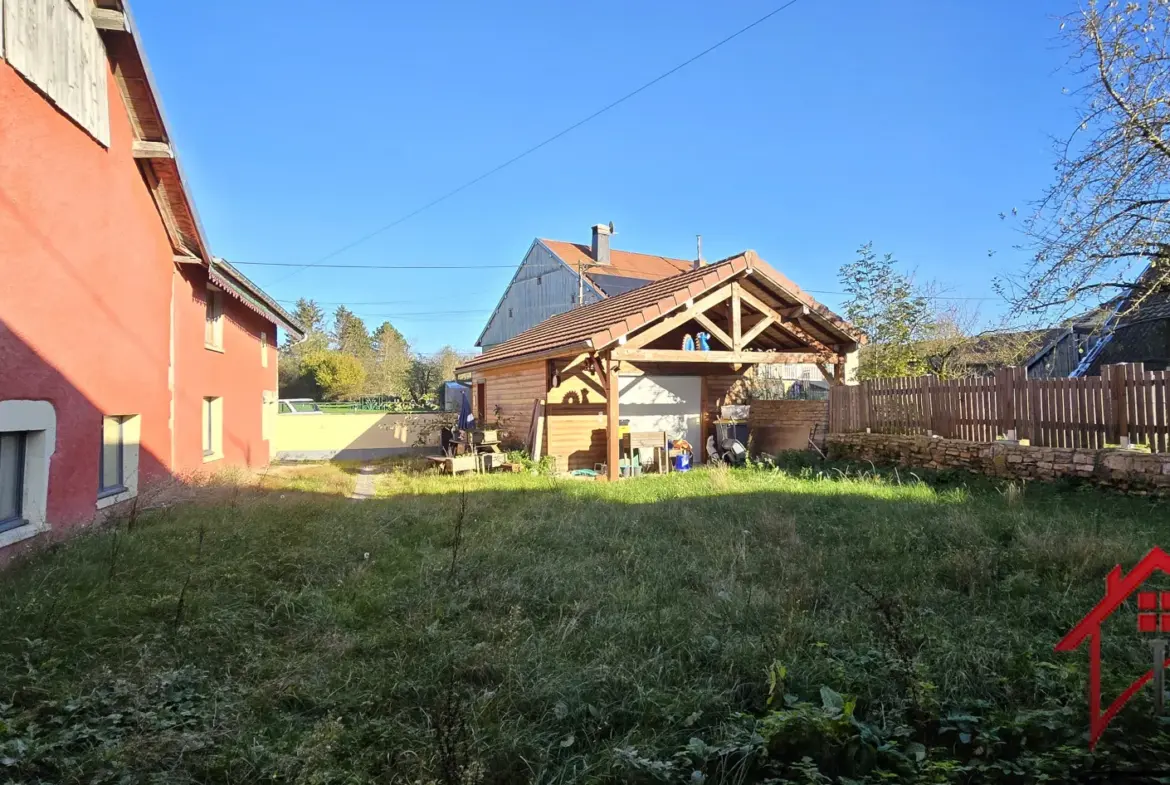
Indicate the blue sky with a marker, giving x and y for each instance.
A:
(910, 123)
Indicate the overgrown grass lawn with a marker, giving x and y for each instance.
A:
(718, 626)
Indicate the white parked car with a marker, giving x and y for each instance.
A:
(298, 406)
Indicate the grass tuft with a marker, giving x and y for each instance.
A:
(520, 628)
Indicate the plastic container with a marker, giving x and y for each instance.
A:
(682, 463)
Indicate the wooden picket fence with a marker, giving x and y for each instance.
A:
(1126, 404)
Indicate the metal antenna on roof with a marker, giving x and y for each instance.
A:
(698, 251)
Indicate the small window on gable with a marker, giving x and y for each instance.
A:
(213, 320)
(509, 313)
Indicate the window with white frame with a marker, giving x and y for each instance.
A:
(112, 466)
(12, 452)
(212, 429)
(213, 319)
(28, 438)
(118, 461)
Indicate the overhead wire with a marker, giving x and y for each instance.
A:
(499, 167)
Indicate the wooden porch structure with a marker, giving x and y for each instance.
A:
(752, 314)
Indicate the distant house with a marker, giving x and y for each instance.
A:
(556, 276)
(1043, 353)
(621, 359)
(1137, 329)
(128, 353)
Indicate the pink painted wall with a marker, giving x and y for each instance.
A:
(86, 285)
(85, 288)
(236, 375)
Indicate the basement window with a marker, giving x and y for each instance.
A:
(118, 461)
(12, 447)
(28, 437)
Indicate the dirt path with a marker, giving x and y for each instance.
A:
(364, 489)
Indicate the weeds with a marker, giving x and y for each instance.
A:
(517, 628)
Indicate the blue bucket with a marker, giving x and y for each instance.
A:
(682, 462)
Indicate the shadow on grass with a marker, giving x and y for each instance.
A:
(518, 628)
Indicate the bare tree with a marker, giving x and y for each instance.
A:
(1106, 217)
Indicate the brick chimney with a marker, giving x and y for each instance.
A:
(601, 244)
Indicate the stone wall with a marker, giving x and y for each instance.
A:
(1129, 470)
(786, 425)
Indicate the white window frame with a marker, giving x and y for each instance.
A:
(131, 440)
(38, 420)
(212, 418)
(214, 341)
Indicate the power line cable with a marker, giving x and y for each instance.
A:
(539, 145)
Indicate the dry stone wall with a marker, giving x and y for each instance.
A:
(1128, 470)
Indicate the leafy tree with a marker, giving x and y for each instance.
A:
(351, 337)
(885, 304)
(309, 314)
(447, 360)
(1108, 212)
(338, 376)
(423, 381)
(391, 362)
(294, 380)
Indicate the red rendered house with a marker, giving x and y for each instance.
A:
(129, 355)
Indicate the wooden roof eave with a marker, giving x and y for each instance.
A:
(567, 350)
(826, 321)
(177, 204)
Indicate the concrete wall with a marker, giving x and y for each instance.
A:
(317, 437)
(1127, 470)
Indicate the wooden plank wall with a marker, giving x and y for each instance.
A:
(1125, 402)
(55, 46)
(509, 394)
(576, 416)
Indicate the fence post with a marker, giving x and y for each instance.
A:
(863, 406)
(1119, 422)
(1005, 401)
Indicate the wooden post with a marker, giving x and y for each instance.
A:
(704, 422)
(1118, 425)
(612, 440)
(864, 408)
(736, 319)
(1005, 401)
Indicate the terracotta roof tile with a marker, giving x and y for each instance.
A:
(598, 324)
(607, 320)
(624, 264)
